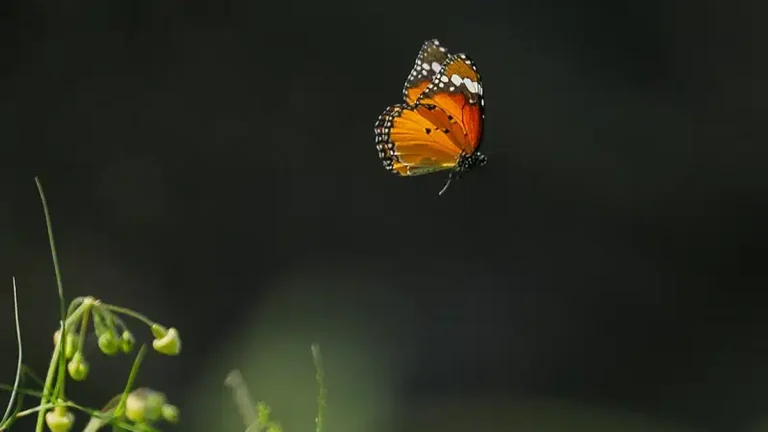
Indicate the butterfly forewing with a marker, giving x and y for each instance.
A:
(428, 64)
(457, 89)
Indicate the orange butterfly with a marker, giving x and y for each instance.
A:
(441, 124)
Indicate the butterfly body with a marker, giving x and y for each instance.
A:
(440, 125)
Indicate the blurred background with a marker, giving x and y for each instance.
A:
(212, 165)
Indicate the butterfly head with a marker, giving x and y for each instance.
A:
(467, 162)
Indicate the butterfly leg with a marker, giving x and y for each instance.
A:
(448, 182)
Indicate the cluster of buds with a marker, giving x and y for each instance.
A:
(142, 406)
(112, 334)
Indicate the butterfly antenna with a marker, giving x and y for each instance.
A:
(448, 182)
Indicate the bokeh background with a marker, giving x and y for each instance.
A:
(212, 165)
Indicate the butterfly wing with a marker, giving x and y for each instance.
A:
(457, 89)
(428, 64)
(418, 139)
(441, 125)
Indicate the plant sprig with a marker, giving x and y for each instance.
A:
(133, 409)
(259, 419)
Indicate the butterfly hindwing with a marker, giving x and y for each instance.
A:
(428, 64)
(457, 89)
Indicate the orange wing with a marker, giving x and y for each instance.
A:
(418, 139)
(428, 64)
(458, 91)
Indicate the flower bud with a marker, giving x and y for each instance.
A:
(144, 405)
(127, 341)
(70, 343)
(108, 343)
(274, 427)
(170, 413)
(59, 419)
(78, 367)
(167, 342)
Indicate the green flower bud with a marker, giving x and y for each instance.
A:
(144, 405)
(127, 341)
(108, 343)
(78, 367)
(167, 342)
(59, 419)
(274, 427)
(70, 343)
(170, 413)
(262, 413)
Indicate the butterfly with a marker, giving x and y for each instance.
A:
(440, 125)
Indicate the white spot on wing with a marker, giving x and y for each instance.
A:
(471, 85)
(456, 79)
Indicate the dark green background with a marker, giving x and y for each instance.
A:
(213, 165)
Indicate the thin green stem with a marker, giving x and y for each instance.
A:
(30, 373)
(83, 329)
(48, 381)
(18, 364)
(98, 320)
(322, 398)
(76, 315)
(39, 409)
(58, 353)
(242, 398)
(128, 312)
(119, 322)
(74, 304)
(19, 403)
(21, 391)
(131, 380)
(54, 256)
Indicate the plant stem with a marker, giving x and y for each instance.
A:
(128, 312)
(242, 398)
(58, 353)
(18, 365)
(48, 380)
(322, 397)
(131, 379)
(54, 256)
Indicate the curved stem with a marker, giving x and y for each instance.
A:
(58, 353)
(129, 313)
(18, 365)
(52, 244)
